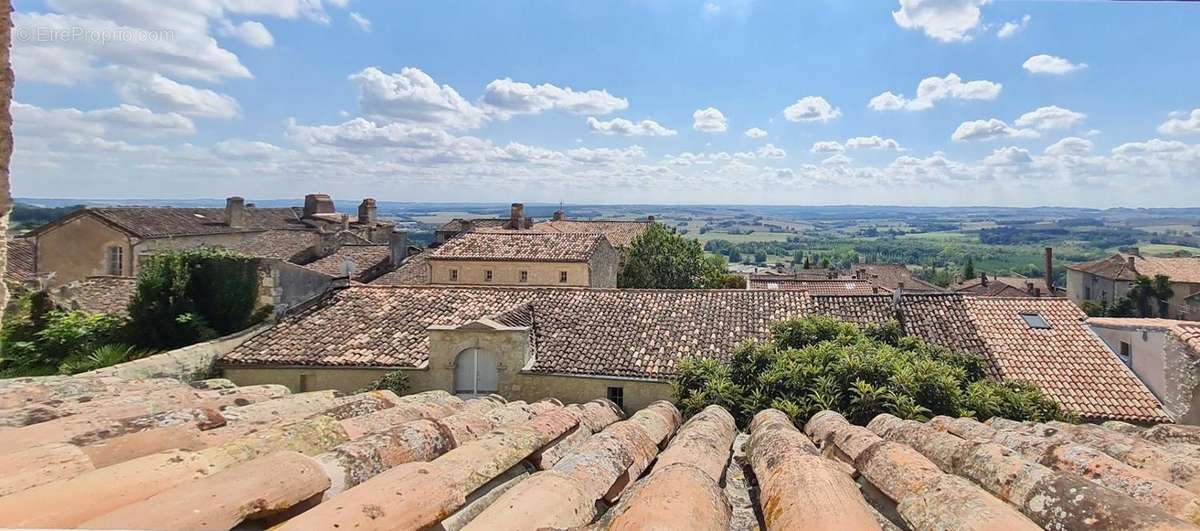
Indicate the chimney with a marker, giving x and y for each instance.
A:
(516, 216)
(367, 212)
(317, 204)
(559, 215)
(398, 246)
(1130, 264)
(1049, 265)
(983, 279)
(235, 212)
(345, 222)
(1029, 288)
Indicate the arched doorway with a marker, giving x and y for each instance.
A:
(475, 372)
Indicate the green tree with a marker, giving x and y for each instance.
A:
(797, 258)
(659, 258)
(968, 271)
(183, 297)
(1142, 293)
(1163, 293)
(760, 257)
(817, 363)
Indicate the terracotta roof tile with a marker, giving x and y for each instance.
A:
(618, 233)
(433, 460)
(364, 257)
(98, 294)
(413, 272)
(1066, 360)
(1116, 267)
(158, 222)
(279, 244)
(818, 287)
(19, 267)
(505, 245)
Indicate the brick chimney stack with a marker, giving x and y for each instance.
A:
(1049, 270)
(367, 212)
(318, 204)
(235, 212)
(398, 246)
(516, 216)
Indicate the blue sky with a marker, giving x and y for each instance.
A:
(662, 101)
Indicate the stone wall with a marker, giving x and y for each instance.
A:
(604, 267)
(6, 140)
(472, 273)
(1181, 385)
(193, 362)
(287, 286)
(78, 248)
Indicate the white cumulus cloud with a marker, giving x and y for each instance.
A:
(1050, 117)
(1071, 145)
(827, 146)
(621, 126)
(873, 142)
(161, 93)
(250, 32)
(506, 97)
(1179, 126)
(1008, 156)
(943, 20)
(755, 132)
(709, 120)
(1008, 29)
(811, 109)
(413, 96)
(1049, 64)
(991, 129)
(933, 89)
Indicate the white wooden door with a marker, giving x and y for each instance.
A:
(475, 372)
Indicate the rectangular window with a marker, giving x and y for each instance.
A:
(562, 277)
(116, 261)
(617, 396)
(1087, 292)
(524, 276)
(1124, 349)
(487, 275)
(453, 275)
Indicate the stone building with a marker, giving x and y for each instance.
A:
(525, 258)
(577, 344)
(152, 444)
(1164, 354)
(620, 233)
(1109, 279)
(112, 241)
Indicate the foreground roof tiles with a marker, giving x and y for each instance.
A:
(262, 457)
(506, 245)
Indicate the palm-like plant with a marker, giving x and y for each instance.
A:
(1163, 293)
(1142, 293)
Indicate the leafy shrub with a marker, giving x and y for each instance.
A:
(35, 340)
(395, 381)
(183, 297)
(661, 259)
(104, 356)
(819, 362)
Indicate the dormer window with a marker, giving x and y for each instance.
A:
(1036, 321)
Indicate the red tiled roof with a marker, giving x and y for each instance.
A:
(504, 245)
(19, 267)
(413, 272)
(279, 244)
(1067, 360)
(158, 222)
(365, 257)
(890, 276)
(818, 287)
(98, 294)
(1116, 267)
(618, 233)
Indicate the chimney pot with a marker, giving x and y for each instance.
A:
(318, 204)
(516, 215)
(367, 212)
(1049, 265)
(235, 212)
(398, 247)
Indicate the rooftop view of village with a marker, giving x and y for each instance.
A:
(692, 265)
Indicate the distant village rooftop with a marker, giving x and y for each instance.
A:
(502, 245)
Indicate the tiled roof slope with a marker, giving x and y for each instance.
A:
(504, 245)
(279, 244)
(98, 294)
(413, 272)
(890, 276)
(19, 267)
(460, 225)
(1116, 267)
(618, 233)
(158, 222)
(1066, 360)
(818, 287)
(364, 256)
(106, 453)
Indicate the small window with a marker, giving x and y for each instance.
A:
(1124, 349)
(453, 275)
(562, 277)
(487, 275)
(1087, 292)
(1035, 321)
(524, 276)
(617, 396)
(116, 261)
